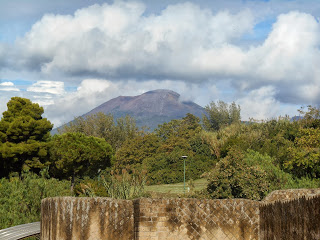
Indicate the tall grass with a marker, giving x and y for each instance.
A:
(20, 197)
(119, 186)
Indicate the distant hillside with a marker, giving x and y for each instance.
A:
(151, 108)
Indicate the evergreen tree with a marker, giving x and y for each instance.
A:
(77, 155)
(23, 136)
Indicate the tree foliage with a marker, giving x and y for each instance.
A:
(310, 117)
(132, 153)
(287, 151)
(160, 152)
(304, 156)
(23, 136)
(220, 114)
(276, 177)
(77, 155)
(232, 177)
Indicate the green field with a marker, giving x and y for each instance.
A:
(176, 188)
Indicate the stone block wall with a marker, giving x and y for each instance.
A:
(180, 219)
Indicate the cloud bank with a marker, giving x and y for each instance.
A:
(102, 48)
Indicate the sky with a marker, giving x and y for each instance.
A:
(71, 56)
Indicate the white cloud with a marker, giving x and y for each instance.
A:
(8, 86)
(43, 100)
(309, 92)
(259, 104)
(262, 104)
(291, 51)
(53, 87)
(89, 94)
(119, 41)
(183, 41)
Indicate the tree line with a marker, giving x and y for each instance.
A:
(239, 159)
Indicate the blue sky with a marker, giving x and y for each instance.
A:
(71, 56)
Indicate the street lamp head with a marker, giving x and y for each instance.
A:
(184, 156)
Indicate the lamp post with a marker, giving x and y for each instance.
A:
(184, 173)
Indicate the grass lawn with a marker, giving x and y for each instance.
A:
(176, 188)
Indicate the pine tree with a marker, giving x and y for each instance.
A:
(23, 136)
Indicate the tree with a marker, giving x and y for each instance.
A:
(133, 152)
(219, 140)
(23, 136)
(220, 114)
(185, 127)
(178, 138)
(77, 155)
(303, 158)
(311, 117)
(160, 152)
(276, 177)
(233, 177)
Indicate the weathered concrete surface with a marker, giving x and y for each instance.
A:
(69, 218)
(103, 218)
(180, 219)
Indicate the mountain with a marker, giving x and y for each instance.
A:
(151, 108)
